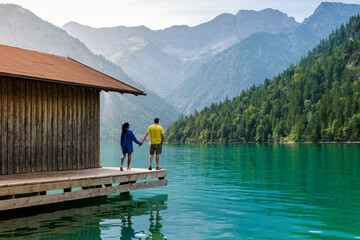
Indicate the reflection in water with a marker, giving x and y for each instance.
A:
(223, 191)
(126, 216)
(95, 218)
(155, 226)
(127, 232)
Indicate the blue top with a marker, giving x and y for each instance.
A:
(126, 141)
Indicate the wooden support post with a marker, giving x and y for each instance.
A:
(130, 182)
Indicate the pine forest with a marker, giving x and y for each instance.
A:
(317, 100)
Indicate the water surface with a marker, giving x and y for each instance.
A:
(219, 191)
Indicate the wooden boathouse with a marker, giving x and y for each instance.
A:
(50, 132)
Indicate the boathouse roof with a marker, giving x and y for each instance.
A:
(32, 65)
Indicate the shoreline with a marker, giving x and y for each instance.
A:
(356, 142)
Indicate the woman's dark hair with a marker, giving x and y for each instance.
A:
(124, 127)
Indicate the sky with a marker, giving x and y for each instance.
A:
(157, 14)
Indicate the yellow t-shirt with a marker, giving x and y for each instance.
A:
(155, 132)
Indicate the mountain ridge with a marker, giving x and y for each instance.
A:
(180, 49)
(263, 61)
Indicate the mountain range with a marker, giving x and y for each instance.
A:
(316, 100)
(21, 28)
(162, 59)
(259, 56)
(192, 67)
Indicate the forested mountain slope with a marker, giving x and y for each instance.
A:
(259, 56)
(316, 100)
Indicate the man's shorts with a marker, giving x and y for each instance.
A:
(155, 148)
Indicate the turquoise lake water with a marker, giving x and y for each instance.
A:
(218, 191)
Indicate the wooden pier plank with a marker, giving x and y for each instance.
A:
(19, 183)
(39, 183)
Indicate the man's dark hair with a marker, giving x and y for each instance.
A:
(156, 120)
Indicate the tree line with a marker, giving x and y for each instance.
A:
(317, 100)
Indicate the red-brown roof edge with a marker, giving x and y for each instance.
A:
(141, 92)
(38, 66)
(72, 84)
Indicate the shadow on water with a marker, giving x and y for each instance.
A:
(108, 217)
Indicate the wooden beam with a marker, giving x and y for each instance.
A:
(44, 163)
(69, 196)
(4, 125)
(22, 130)
(39, 125)
(28, 136)
(54, 126)
(16, 130)
(10, 129)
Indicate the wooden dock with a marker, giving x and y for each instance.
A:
(33, 189)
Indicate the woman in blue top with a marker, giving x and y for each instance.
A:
(127, 137)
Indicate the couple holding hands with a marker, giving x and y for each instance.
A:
(156, 140)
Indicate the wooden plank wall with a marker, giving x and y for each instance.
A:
(48, 127)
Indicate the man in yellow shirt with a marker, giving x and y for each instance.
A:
(156, 140)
